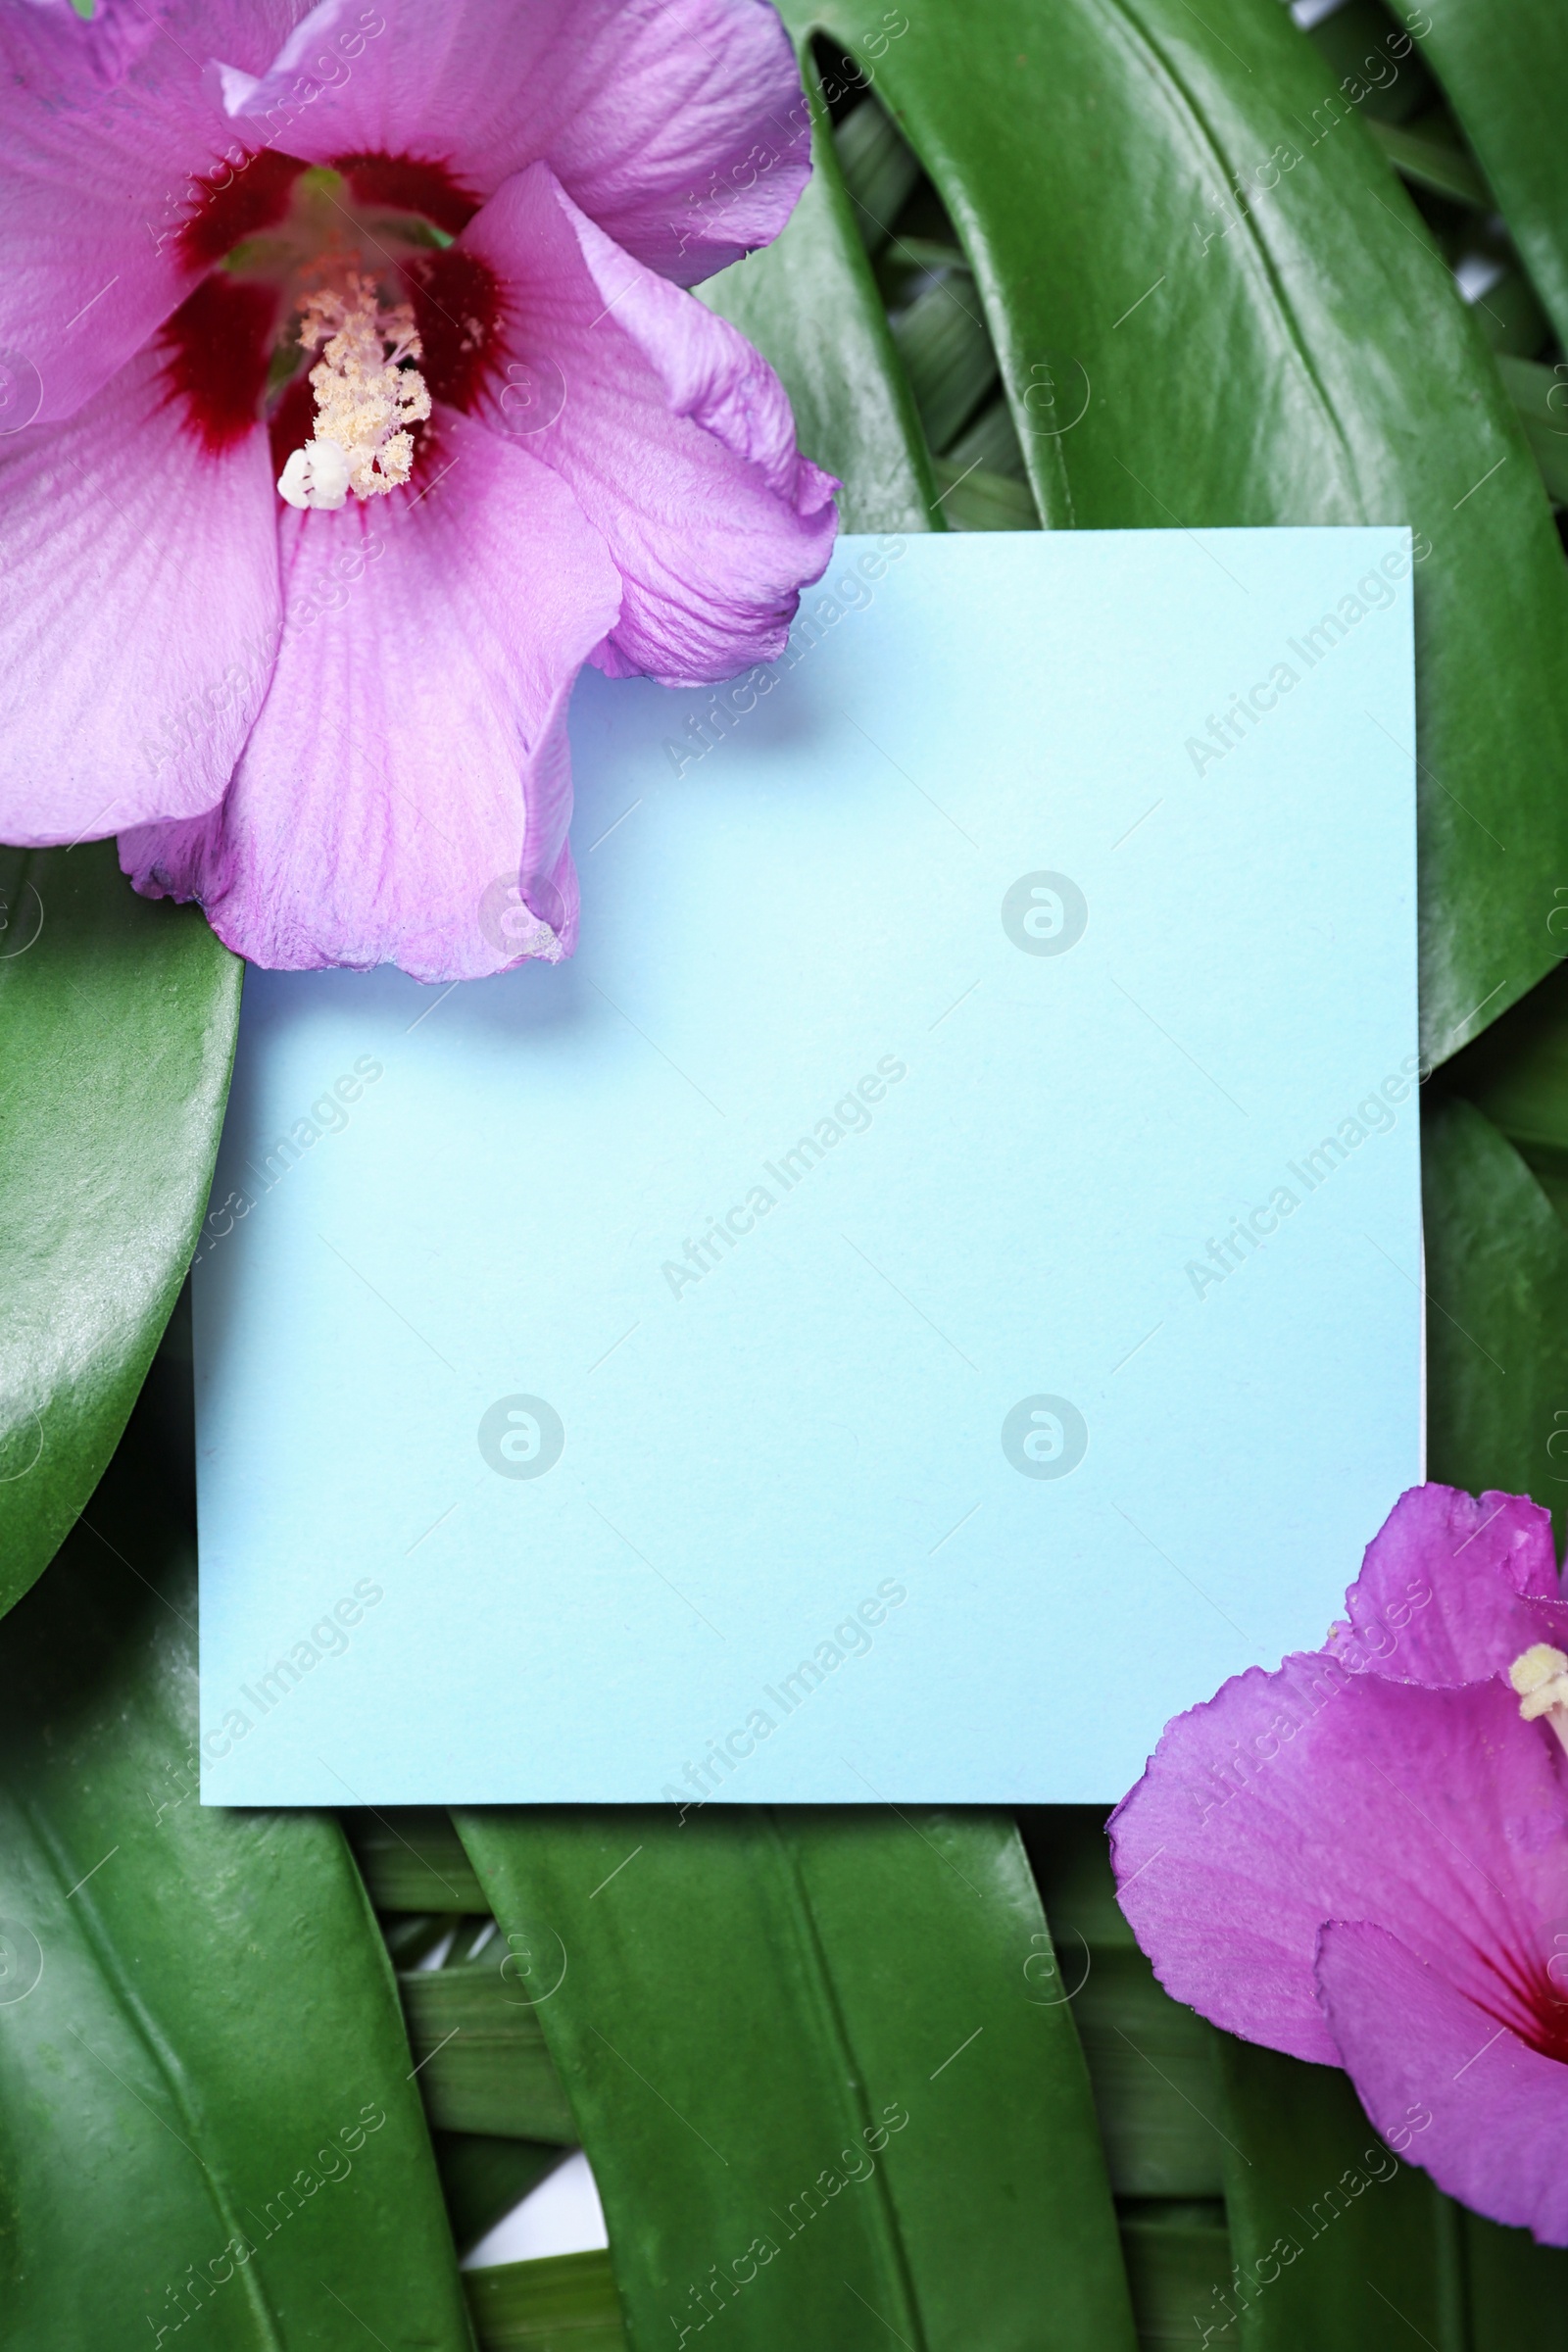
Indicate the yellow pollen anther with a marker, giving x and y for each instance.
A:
(1540, 1675)
(366, 396)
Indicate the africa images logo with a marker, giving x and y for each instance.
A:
(520, 919)
(1045, 914)
(521, 1437)
(1045, 1436)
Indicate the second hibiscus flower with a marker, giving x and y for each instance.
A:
(1362, 1859)
(366, 403)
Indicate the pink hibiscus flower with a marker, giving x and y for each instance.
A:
(1363, 1858)
(350, 400)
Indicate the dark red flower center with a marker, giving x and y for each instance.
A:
(457, 308)
(410, 183)
(1530, 1994)
(291, 251)
(217, 343)
(1548, 2016)
(234, 204)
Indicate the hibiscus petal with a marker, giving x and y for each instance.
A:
(1319, 1794)
(138, 614)
(410, 756)
(682, 129)
(1452, 1589)
(1446, 2084)
(674, 434)
(104, 129)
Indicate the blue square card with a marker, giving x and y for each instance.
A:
(928, 1290)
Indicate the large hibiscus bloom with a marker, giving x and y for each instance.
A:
(1363, 1858)
(350, 399)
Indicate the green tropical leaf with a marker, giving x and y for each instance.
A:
(946, 355)
(879, 173)
(1354, 42)
(1517, 1073)
(977, 500)
(1154, 2068)
(563, 2303)
(814, 2075)
(1504, 66)
(117, 1030)
(1152, 2061)
(1336, 2242)
(413, 1861)
(809, 304)
(991, 441)
(1497, 1314)
(481, 2053)
(1516, 2289)
(206, 2110)
(1515, 325)
(1344, 380)
(1541, 396)
(484, 2176)
(1433, 162)
(1174, 2255)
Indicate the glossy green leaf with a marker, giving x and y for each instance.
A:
(823, 2074)
(912, 256)
(947, 354)
(1354, 42)
(1518, 2291)
(1175, 2255)
(1335, 2240)
(1517, 1073)
(1152, 2061)
(1516, 327)
(991, 442)
(1435, 163)
(809, 304)
(206, 2115)
(1541, 396)
(564, 2303)
(482, 2058)
(878, 170)
(1298, 355)
(955, 1890)
(1504, 65)
(483, 2177)
(1497, 1314)
(975, 500)
(116, 1031)
(413, 1861)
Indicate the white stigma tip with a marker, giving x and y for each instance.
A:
(1540, 1676)
(1535, 1667)
(317, 475)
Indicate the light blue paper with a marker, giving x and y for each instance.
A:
(965, 1459)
